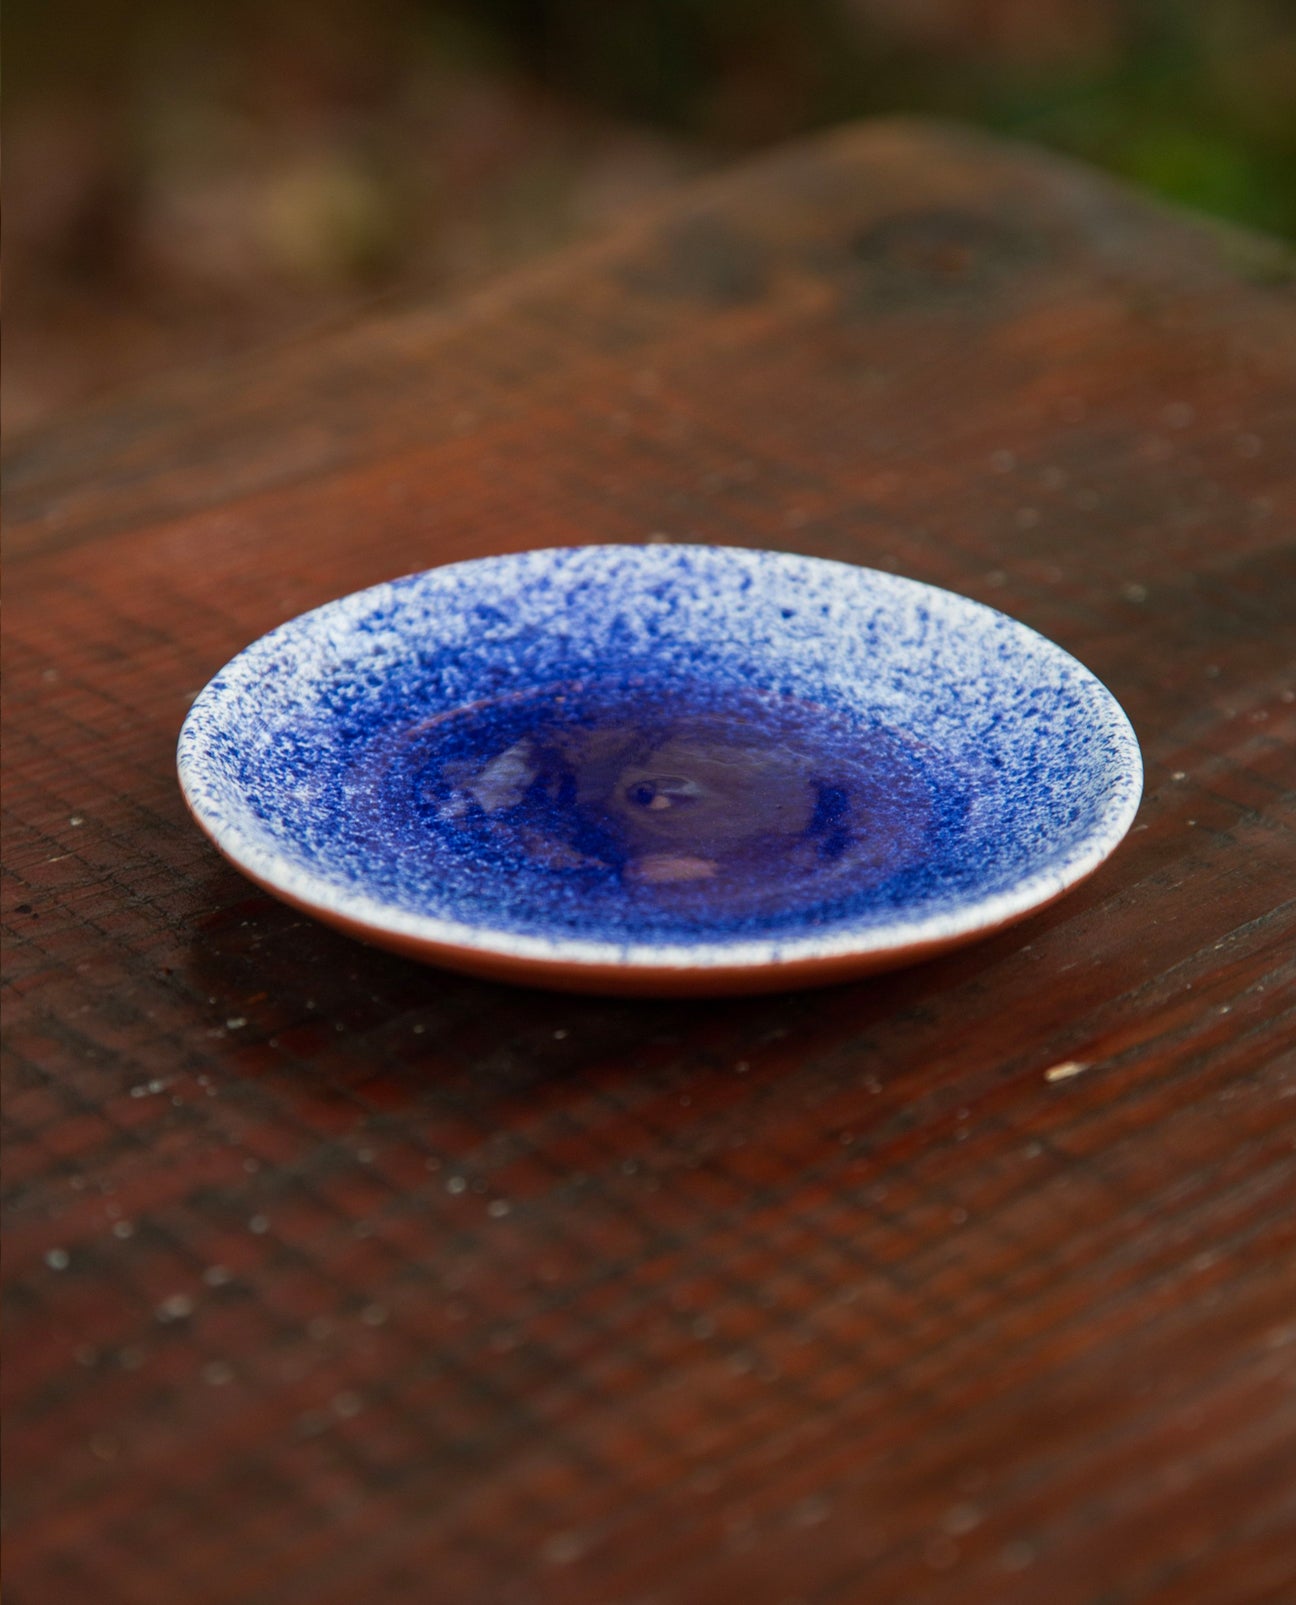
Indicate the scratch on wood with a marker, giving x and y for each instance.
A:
(1065, 1070)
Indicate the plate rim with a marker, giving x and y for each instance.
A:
(877, 946)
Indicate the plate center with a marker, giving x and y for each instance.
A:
(646, 806)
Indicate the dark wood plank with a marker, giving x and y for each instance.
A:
(331, 1278)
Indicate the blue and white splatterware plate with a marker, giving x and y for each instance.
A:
(660, 769)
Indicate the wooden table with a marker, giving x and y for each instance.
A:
(335, 1279)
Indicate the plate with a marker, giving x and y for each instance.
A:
(660, 769)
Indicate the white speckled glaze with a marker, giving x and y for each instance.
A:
(1038, 755)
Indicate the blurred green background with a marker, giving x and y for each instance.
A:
(186, 180)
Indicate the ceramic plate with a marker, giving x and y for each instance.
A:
(660, 769)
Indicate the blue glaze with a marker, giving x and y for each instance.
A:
(636, 806)
(661, 754)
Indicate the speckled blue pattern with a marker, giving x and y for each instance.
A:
(661, 754)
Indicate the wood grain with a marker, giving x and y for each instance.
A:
(331, 1278)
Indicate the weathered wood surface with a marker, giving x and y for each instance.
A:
(331, 1278)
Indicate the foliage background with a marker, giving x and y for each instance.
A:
(184, 180)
